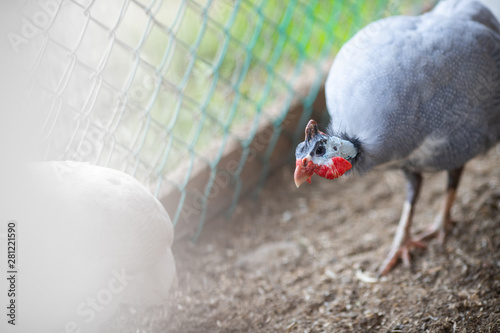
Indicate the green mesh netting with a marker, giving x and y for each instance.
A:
(163, 89)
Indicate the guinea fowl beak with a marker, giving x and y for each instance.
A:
(303, 170)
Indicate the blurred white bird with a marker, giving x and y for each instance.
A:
(88, 239)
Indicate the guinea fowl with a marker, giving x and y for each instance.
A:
(419, 93)
(92, 238)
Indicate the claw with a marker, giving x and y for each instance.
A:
(440, 230)
(402, 252)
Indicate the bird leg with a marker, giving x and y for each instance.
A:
(403, 243)
(443, 223)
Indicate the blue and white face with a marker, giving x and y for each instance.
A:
(321, 154)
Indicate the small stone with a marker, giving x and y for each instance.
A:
(287, 216)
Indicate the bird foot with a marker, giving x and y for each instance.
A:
(440, 231)
(401, 251)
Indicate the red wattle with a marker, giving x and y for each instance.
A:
(334, 170)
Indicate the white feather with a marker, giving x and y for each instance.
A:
(86, 236)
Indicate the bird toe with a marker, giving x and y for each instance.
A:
(402, 252)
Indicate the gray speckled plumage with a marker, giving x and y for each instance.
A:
(420, 92)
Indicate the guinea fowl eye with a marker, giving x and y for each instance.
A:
(320, 150)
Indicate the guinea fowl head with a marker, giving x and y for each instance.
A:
(325, 155)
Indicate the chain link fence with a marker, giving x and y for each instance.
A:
(168, 91)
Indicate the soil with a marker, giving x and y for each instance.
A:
(305, 260)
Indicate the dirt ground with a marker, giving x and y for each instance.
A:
(302, 260)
